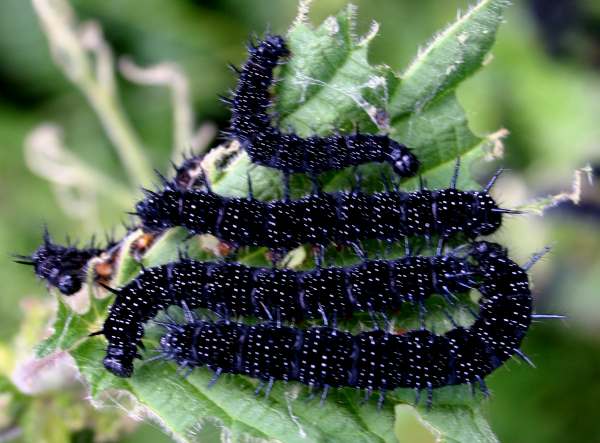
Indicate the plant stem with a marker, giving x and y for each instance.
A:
(86, 59)
(120, 132)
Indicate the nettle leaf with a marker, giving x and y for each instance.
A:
(424, 109)
(327, 85)
(442, 424)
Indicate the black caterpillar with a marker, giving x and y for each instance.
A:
(266, 145)
(268, 293)
(325, 357)
(343, 217)
(62, 266)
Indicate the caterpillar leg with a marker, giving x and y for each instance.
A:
(214, 378)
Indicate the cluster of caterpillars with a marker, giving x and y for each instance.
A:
(318, 356)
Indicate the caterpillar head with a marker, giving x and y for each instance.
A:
(486, 215)
(178, 344)
(68, 284)
(405, 163)
(119, 361)
(272, 47)
(169, 346)
(61, 266)
(484, 251)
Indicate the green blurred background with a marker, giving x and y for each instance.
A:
(543, 85)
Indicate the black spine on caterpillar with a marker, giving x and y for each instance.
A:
(62, 267)
(267, 146)
(268, 293)
(341, 217)
(373, 360)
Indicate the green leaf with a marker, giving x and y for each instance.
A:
(449, 424)
(328, 84)
(71, 328)
(423, 107)
(328, 77)
(448, 59)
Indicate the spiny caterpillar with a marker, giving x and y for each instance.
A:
(268, 293)
(268, 146)
(63, 267)
(377, 360)
(343, 217)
